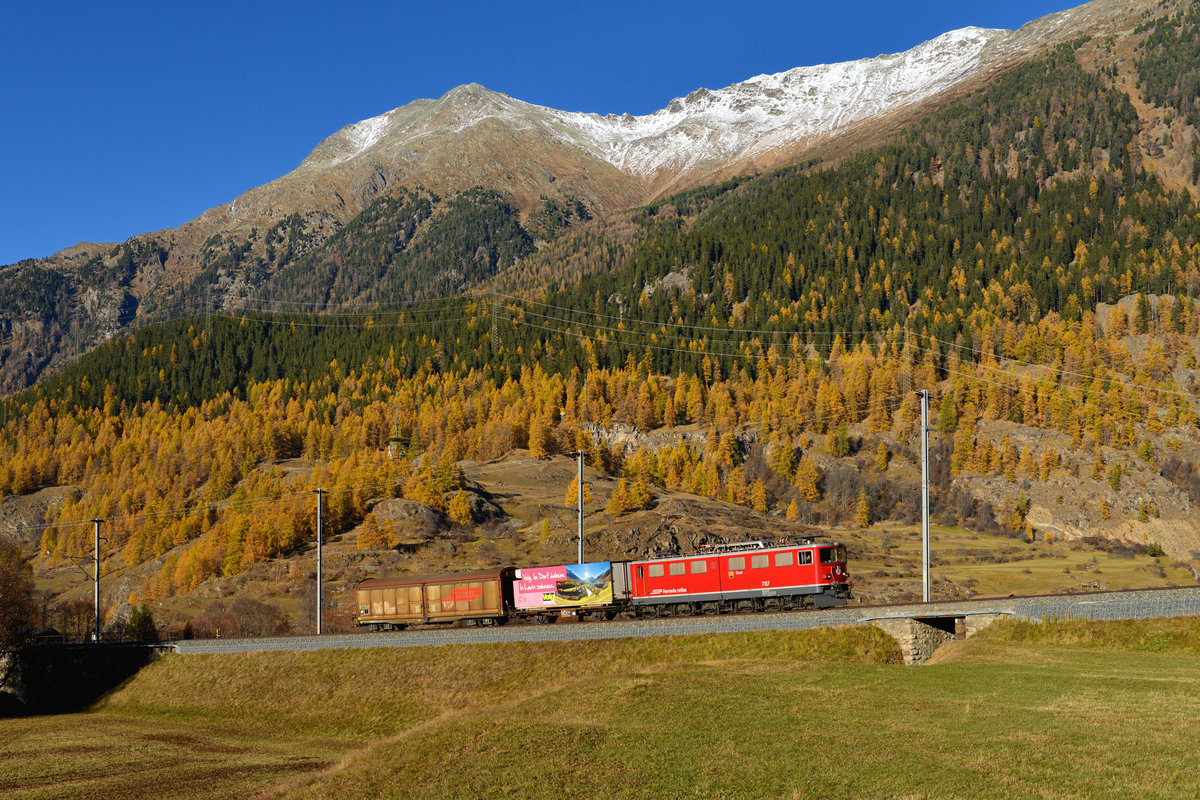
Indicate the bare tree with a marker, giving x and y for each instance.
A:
(18, 606)
(76, 619)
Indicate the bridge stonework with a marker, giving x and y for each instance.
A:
(919, 637)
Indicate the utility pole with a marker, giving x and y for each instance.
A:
(96, 587)
(320, 508)
(924, 494)
(580, 499)
(208, 325)
(495, 322)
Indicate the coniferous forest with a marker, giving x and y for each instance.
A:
(1013, 253)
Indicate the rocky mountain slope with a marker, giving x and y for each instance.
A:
(57, 308)
(760, 123)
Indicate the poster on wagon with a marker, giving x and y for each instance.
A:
(564, 586)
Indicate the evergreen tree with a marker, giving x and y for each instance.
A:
(862, 510)
(619, 502)
(883, 456)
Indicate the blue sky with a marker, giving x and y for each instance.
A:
(122, 118)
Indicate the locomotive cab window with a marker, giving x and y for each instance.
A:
(699, 567)
(677, 568)
(803, 557)
(829, 555)
(760, 561)
(783, 559)
(737, 563)
(656, 570)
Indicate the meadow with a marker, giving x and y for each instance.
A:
(1053, 710)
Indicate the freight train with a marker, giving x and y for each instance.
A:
(717, 579)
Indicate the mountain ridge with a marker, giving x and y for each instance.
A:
(986, 51)
(531, 154)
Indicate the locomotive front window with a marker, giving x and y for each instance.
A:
(760, 562)
(737, 563)
(699, 567)
(829, 555)
(656, 570)
(783, 559)
(804, 557)
(677, 568)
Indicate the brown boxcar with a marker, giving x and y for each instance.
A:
(473, 596)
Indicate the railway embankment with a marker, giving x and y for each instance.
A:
(936, 622)
(57, 679)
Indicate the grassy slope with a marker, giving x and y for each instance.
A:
(1060, 710)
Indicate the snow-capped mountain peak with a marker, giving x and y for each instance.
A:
(767, 111)
(706, 127)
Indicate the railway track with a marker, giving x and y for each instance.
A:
(1127, 604)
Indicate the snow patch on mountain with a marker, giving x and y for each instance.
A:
(359, 137)
(770, 111)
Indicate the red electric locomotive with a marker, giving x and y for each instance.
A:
(748, 576)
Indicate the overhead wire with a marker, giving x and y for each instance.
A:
(1059, 370)
(691, 326)
(335, 322)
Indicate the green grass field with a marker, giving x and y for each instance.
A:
(1074, 709)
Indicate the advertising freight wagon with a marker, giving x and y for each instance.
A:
(543, 593)
(749, 576)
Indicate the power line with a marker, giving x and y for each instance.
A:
(1059, 370)
(335, 323)
(635, 320)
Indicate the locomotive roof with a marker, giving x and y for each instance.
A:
(741, 548)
